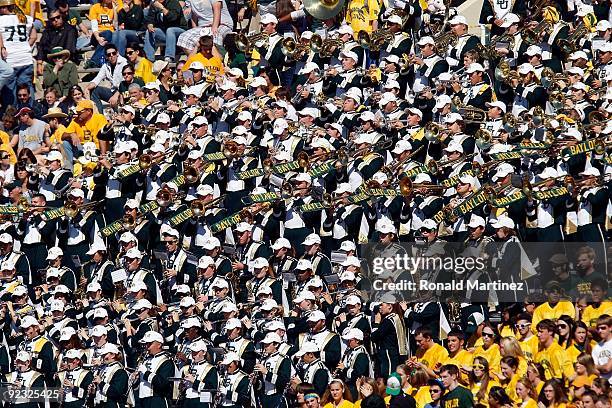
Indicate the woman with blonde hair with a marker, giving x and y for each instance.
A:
(417, 386)
(366, 386)
(584, 375)
(337, 395)
(510, 347)
(526, 393)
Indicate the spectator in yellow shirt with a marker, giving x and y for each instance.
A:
(509, 376)
(481, 381)
(526, 393)
(363, 15)
(598, 305)
(525, 336)
(213, 64)
(457, 354)
(580, 343)
(54, 118)
(489, 349)
(429, 355)
(84, 128)
(555, 307)
(143, 68)
(550, 354)
(102, 16)
(584, 376)
(510, 347)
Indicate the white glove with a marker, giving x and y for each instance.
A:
(142, 369)
(400, 4)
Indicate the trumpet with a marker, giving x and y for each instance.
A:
(148, 130)
(293, 49)
(480, 169)
(392, 169)
(245, 43)
(199, 207)
(248, 214)
(129, 222)
(36, 169)
(548, 77)
(576, 186)
(435, 167)
(510, 122)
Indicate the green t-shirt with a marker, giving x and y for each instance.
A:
(74, 18)
(460, 397)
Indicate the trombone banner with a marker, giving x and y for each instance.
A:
(9, 209)
(117, 226)
(226, 223)
(580, 148)
(277, 169)
(452, 181)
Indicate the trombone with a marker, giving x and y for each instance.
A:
(71, 209)
(407, 187)
(165, 197)
(199, 207)
(435, 167)
(434, 131)
(396, 165)
(528, 188)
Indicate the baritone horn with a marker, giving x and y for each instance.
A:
(245, 43)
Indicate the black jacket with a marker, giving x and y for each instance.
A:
(174, 18)
(64, 37)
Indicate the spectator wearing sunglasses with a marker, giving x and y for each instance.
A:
(57, 33)
(489, 349)
(59, 72)
(112, 72)
(550, 354)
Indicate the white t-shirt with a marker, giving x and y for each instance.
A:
(203, 10)
(16, 35)
(602, 352)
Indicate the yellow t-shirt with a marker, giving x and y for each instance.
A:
(492, 355)
(529, 347)
(343, 404)
(89, 132)
(103, 15)
(432, 356)
(212, 66)
(6, 146)
(56, 137)
(555, 362)
(507, 332)
(591, 314)
(463, 358)
(420, 394)
(584, 381)
(26, 7)
(544, 311)
(144, 71)
(360, 15)
(510, 388)
(485, 400)
(531, 403)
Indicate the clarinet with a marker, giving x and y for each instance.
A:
(338, 371)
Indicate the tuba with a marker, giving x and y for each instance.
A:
(444, 40)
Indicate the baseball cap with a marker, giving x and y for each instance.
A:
(152, 336)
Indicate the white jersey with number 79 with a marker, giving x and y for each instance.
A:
(15, 34)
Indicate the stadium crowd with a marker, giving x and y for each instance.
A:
(185, 212)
